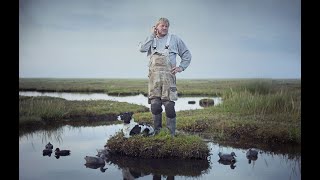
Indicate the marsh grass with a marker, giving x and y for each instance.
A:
(43, 110)
(161, 146)
(116, 87)
(258, 110)
(277, 104)
(186, 87)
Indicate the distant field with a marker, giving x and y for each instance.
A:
(186, 87)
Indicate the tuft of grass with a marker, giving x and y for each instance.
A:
(276, 104)
(161, 145)
(41, 108)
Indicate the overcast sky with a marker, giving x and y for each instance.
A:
(99, 38)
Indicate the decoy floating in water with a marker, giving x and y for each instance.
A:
(227, 157)
(47, 152)
(96, 162)
(49, 146)
(252, 155)
(59, 152)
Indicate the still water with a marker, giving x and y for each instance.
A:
(181, 104)
(83, 141)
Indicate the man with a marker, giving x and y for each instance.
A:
(162, 48)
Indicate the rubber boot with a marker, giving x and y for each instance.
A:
(171, 125)
(157, 120)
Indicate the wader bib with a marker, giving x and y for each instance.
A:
(162, 83)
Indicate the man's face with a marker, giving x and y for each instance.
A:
(162, 29)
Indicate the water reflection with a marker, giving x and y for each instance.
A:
(136, 167)
(101, 167)
(181, 104)
(83, 141)
(47, 152)
(229, 163)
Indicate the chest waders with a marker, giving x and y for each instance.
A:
(162, 88)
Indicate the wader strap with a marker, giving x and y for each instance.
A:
(154, 46)
(168, 41)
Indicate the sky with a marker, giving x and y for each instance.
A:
(100, 38)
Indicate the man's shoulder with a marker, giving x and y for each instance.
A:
(175, 37)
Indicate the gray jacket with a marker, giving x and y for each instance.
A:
(176, 46)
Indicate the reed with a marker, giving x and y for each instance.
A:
(41, 108)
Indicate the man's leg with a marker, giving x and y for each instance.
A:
(156, 109)
(171, 116)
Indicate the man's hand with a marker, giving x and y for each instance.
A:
(175, 70)
(154, 30)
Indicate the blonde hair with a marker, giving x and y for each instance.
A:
(165, 20)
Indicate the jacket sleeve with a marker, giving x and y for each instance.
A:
(146, 45)
(184, 54)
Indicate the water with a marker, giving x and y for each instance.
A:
(181, 104)
(83, 141)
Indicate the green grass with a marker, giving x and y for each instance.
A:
(161, 145)
(43, 110)
(186, 87)
(253, 110)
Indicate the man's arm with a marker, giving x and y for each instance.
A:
(184, 54)
(146, 45)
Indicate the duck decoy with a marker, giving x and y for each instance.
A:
(49, 146)
(252, 155)
(59, 152)
(94, 160)
(47, 152)
(227, 157)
